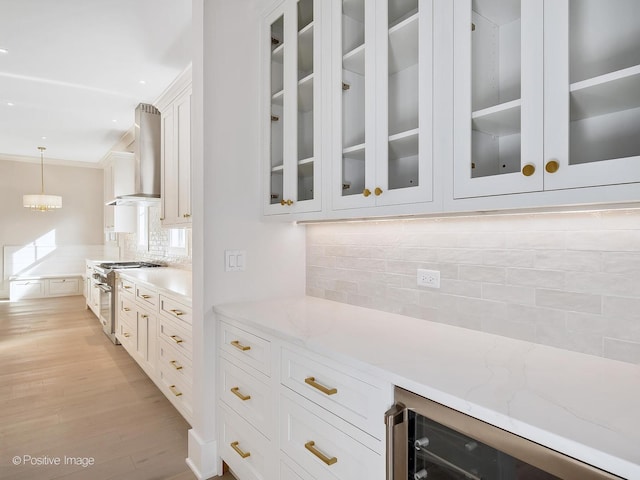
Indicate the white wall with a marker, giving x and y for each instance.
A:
(79, 222)
(226, 164)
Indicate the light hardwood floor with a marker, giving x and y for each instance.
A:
(67, 391)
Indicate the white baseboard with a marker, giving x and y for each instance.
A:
(203, 457)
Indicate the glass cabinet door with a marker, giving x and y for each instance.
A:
(384, 89)
(592, 109)
(294, 100)
(498, 97)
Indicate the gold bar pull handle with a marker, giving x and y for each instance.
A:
(239, 346)
(145, 296)
(127, 335)
(126, 309)
(327, 391)
(236, 392)
(177, 312)
(175, 391)
(176, 339)
(311, 447)
(175, 364)
(242, 454)
(126, 287)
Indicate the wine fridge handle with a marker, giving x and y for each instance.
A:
(396, 422)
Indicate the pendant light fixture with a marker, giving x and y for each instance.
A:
(42, 202)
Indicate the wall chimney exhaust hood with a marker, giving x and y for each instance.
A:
(147, 158)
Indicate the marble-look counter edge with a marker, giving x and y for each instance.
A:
(509, 383)
(169, 281)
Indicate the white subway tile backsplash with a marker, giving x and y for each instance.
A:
(569, 280)
(569, 301)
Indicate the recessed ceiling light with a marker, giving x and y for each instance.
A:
(43, 138)
(142, 82)
(10, 104)
(114, 120)
(3, 50)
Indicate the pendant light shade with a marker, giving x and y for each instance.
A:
(40, 201)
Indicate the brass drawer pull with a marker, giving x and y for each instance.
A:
(127, 335)
(126, 286)
(144, 315)
(236, 392)
(177, 312)
(176, 339)
(145, 296)
(311, 447)
(126, 309)
(174, 364)
(175, 391)
(327, 391)
(242, 454)
(239, 346)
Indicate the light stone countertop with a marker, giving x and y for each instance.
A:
(584, 406)
(172, 281)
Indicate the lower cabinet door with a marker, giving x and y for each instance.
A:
(323, 444)
(247, 452)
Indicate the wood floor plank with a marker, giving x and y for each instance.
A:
(66, 390)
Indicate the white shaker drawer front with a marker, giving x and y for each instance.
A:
(320, 444)
(360, 403)
(147, 297)
(176, 390)
(127, 333)
(249, 397)
(64, 286)
(127, 308)
(170, 358)
(245, 450)
(247, 347)
(289, 473)
(176, 334)
(127, 286)
(175, 310)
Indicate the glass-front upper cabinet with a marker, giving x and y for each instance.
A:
(592, 88)
(382, 102)
(292, 108)
(498, 97)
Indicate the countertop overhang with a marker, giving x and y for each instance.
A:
(584, 406)
(173, 281)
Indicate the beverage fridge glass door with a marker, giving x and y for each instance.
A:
(427, 440)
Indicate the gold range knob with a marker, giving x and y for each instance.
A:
(366, 192)
(552, 166)
(528, 170)
(284, 202)
(378, 191)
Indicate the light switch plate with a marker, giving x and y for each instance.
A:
(235, 260)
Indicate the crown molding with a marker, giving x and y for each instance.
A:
(49, 161)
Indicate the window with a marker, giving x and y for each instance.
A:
(143, 228)
(178, 244)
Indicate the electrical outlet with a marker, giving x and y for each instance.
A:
(428, 278)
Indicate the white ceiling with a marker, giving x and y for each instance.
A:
(74, 67)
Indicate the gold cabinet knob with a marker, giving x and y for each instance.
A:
(552, 166)
(528, 170)
(378, 191)
(366, 192)
(284, 202)
(161, 219)
(186, 215)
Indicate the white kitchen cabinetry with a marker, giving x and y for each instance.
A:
(119, 178)
(297, 414)
(382, 90)
(578, 125)
(156, 331)
(292, 96)
(175, 153)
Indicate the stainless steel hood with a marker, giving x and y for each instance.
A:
(147, 158)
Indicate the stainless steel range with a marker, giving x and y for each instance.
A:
(105, 277)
